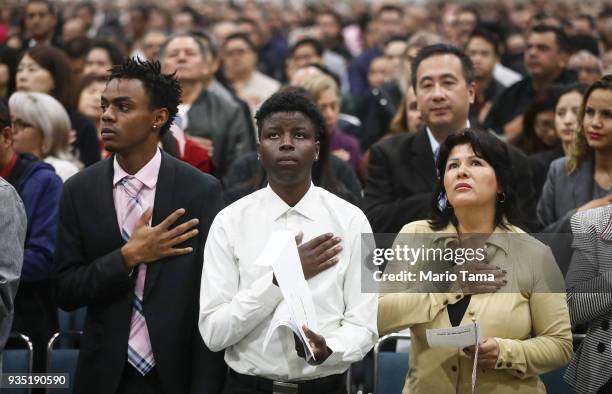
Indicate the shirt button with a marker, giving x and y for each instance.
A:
(457, 296)
(508, 365)
(454, 368)
(445, 302)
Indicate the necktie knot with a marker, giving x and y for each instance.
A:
(131, 185)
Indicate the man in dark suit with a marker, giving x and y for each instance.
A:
(138, 277)
(402, 173)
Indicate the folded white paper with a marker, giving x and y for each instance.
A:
(297, 308)
(459, 337)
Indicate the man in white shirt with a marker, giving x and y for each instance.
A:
(238, 298)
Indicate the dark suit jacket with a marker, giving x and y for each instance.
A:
(402, 178)
(89, 272)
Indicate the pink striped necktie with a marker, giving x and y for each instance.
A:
(140, 352)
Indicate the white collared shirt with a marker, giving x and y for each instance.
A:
(435, 145)
(238, 298)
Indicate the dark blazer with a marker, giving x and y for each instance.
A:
(402, 177)
(562, 195)
(89, 272)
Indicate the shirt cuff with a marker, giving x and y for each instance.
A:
(267, 292)
(508, 357)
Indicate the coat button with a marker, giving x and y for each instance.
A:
(508, 365)
(601, 347)
(457, 296)
(605, 325)
(454, 368)
(445, 302)
(471, 313)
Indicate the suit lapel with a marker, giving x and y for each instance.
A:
(162, 207)
(107, 214)
(422, 158)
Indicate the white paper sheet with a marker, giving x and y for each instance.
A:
(297, 308)
(457, 337)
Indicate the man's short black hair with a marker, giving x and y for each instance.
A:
(240, 36)
(88, 5)
(560, 37)
(442, 49)
(164, 90)
(333, 14)
(390, 8)
(77, 47)
(196, 17)
(489, 37)
(50, 6)
(292, 99)
(313, 42)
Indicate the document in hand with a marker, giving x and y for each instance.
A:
(458, 337)
(297, 308)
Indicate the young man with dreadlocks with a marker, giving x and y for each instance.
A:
(130, 245)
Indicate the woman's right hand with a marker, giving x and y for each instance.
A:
(598, 202)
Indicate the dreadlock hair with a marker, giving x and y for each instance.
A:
(164, 90)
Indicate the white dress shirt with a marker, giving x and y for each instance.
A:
(238, 298)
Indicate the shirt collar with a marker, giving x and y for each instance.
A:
(306, 207)
(499, 238)
(435, 145)
(147, 174)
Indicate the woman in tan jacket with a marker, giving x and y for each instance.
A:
(518, 300)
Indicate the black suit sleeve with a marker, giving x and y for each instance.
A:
(208, 368)
(525, 193)
(78, 282)
(386, 212)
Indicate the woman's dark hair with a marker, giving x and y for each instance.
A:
(559, 91)
(492, 150)
(8, 57)
(529, 142)
(56, 62)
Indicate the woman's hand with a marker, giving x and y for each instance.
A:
(488, 352)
